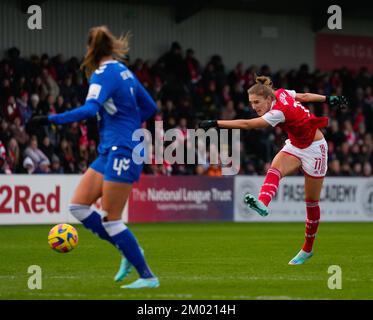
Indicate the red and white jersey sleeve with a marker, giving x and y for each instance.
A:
(275, 117)
(292, 93)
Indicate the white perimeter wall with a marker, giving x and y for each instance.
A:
(44, 199)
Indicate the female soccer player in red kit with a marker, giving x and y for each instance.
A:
(305, 148)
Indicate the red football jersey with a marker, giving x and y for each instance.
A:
(296, 120)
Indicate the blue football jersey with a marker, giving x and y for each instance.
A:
(118, 100)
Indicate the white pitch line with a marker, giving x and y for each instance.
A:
(243, 278)
(175, 296)
(121, 295)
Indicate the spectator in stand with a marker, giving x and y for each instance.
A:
(44, 167)
(209, 75)
(56, 165)
(5, 132)
(80, 89)
(142, 72)
(67, 156)
(49, 84)
(212, 98)
(183, 88)
(60, 104)
(237, 75)
(47, 148)
(18, 131)
(219, 69)
(73, 134)
(83, 150)
(226, 94)
(346, 170)
(39, 159)
(6, 91)
(14, 156)
(21, 86)
(349, 133)
(36, 110)
(334, 134)
(24, 107)
(39, 88)
(252, 72)
(214, 170)
(367, 169)
(185, 110)
(357, 169)
(50, 104)
(11, 110)
(68, 89)
(46, 65)
(28, 165)
(4, 167)
(238, 94)
(229, 113)
(194, 69)
(174, 65)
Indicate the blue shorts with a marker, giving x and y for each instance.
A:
(116, 165)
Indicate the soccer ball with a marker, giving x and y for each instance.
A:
(63, 237)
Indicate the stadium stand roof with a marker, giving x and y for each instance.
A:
(317, 9)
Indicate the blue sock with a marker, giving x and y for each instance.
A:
(91, 220)
(127, 244)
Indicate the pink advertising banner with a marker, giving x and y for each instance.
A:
(181, 198)
(337, 51)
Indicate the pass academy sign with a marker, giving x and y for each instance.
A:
(342, 199)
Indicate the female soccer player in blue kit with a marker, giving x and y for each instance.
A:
(121, 104)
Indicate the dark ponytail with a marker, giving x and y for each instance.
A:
(101, 43)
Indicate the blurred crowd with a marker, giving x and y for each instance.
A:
(186, 92)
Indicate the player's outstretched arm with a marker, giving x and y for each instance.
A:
(244, 124)
(333, 101)
(310, 97)
(88, 110)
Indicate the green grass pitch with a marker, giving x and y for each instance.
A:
(194, 261)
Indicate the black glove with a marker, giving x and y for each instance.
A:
(207, 124)
(39, 121)
(337, 101)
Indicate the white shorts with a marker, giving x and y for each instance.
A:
(314, 158)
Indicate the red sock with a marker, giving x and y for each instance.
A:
(270, 185)
(312, 223)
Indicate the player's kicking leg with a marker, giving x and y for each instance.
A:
(282, 165)
(253, 203)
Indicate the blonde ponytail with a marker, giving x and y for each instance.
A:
(266, 81)
(263, 87)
